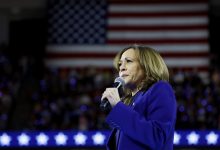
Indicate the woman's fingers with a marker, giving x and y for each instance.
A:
(112, 95)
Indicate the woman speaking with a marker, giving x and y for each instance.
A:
(144, 117)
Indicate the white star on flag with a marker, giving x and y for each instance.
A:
(212, 138)
(23, 139)
(98, 138)
(193, 138)
(42, 139)
(5, 139)
(60, 139)
(80, 139)
(176, 139)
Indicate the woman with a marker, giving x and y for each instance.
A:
(144, 119)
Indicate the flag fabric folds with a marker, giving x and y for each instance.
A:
(90, 32)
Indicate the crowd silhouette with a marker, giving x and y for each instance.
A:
(70, 98)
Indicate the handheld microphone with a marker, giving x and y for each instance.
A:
(118, 83)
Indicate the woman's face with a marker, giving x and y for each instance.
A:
(130, 69)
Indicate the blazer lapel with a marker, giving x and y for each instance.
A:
(111, 143)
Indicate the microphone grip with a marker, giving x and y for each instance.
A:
(105, 105)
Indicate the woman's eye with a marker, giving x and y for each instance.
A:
(129, 60)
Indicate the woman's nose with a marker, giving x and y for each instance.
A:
(122, 67)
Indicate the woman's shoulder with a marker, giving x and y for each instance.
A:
(162, 89)
(157, 86)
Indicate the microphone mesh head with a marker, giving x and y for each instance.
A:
(120, 80)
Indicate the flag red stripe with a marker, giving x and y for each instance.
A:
(154, 15)
(130, 2)
(156, 28)
(111, 55)
(157, 41)
(185, 54)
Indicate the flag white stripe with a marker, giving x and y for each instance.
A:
(197, 47)
(186, 62)
(159, 21)
(158, 8)
(195, 34)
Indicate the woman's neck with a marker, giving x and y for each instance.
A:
(134, 91)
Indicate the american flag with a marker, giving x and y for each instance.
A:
(90, 32)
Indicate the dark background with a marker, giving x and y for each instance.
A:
(27, 30)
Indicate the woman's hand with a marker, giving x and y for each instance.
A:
(112, 95)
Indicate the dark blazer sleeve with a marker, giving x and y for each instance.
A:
(151, 125)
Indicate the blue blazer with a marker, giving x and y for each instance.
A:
(148, 124)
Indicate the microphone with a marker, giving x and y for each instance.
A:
(118, 83)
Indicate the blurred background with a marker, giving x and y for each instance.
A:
(56, 60)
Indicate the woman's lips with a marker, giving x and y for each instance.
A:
(124, 75)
